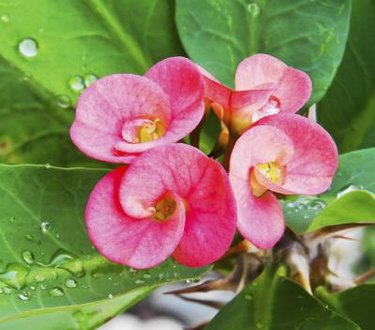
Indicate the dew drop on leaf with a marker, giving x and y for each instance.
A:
(63, 102)
(76, 84)
(5, 18)
(110, 296)
(24, 296)
(28, 257)
(28, 47)
(347, 189)
(56, 292)
(45, 226)
(90, 79)
(71, 283)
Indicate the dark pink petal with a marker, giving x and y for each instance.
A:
(293, 86)
(260, 219)
(139, 243)
(315, 156)
(198, 180)
(107, 104)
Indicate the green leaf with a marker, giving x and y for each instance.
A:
(75, 41)
(210, 131)
(49, 271)
(309, 35)
(356, 303)
(274, 302)
(348, 109)
(344, 203)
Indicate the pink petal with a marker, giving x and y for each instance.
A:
(139, 243)
(105, 106)
(293, 86)
(260, 219)
(203, 185)
(315, 157)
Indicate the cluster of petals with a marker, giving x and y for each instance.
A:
(172, 200)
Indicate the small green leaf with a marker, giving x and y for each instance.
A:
(349, 200)
(309, 35)
(49, 271)
(210, 131)
(275, 303)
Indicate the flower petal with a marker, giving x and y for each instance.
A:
(293, 86)
(315, 157)
(105, 106)
(203, 185)
(260, 219)
(139, 243)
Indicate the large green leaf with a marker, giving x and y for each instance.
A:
(309, 35)
(344, 202)
(49, 271)
(356, 303)
(76, 41)
(273, 302)
(348, 109)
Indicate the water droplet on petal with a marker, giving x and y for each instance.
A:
(76, 83)
(28, 257)
(56, 292)
(28, 47)
(90, 79)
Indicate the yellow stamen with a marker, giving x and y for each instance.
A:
(272, 171)
(150, 131)
(164, 209)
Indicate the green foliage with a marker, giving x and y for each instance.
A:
(344, 203)
(51, 50)
(348, 109)
(274, 302)
(309, 35)
(50, 274)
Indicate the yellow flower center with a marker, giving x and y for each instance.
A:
(164, 209)
(151, 130)
(272, 171)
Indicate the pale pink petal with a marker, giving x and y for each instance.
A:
(260, 144)
(293, 86)
(138, 243)
(315, 157)
(107, 104)
(183, 83)
(203, 185)
(260, 219)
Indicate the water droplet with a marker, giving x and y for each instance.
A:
(24, 296)
(188, 281)
(253, 9)
(57, 235)
(12, 219)
(14, 276)
(110, 296)
(43, 286)
(90, 79)
(76, 83)
(249, 296)
(28, 257)
(63, 102)
(5, 18)
(259, 325)
(39, 278)
(347, 189)
(29, 237)
(196, 279)
(147, 276)
(56, 292)
(71, 283)
(28, 47)
(7, 290)
(45, 227)
(139, 281)
(47, 165)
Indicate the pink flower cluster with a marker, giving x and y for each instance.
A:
(171, 199)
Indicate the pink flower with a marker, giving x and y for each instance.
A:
(171, 200)
(122, 115)
(264, 86)
(286, 154)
